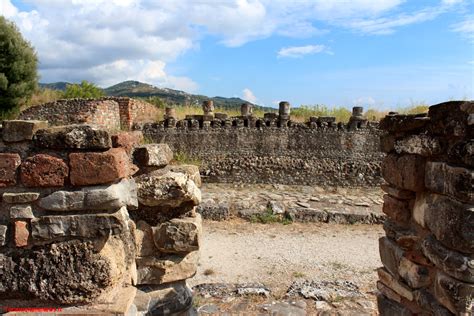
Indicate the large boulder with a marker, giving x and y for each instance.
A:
(73, 137)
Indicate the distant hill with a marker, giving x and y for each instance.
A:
(136, 89)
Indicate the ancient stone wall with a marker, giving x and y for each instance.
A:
(254, 150)
(112, 113)
(428, 250)
(94, 223)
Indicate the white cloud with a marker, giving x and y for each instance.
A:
(248, 95)
(369, 101)
(300, 51)
(452, 2)
(466, 27)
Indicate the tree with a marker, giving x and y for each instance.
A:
(18, 67)
(83, 90)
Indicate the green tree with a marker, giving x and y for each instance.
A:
(83, 90)
(18, 68)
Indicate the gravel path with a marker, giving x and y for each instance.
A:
(275, 255)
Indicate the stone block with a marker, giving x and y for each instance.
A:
(455, 295)
(18, 130)
(94, 198)
(452, 118)
(397, 210)
(403, 123)
(19, 198)
(398, 193)
(462, 152)
(179, 235)
(425, 300)
(387, 143)
(192, 171)
(167, 299)
(153, 155)
(390, 254)
(9, 163)
(405, 237)
(451, 222)
(388, 292)
(127, 140)
(415, 275)
(100, 168)
(145, 246)
(422, 145)
(43, 171)
(405, 172)
(166, 269)
(394, 284)
(89, 225)
(73, 137)
(455, 264)
(21, 212)
(3, 235)
(454, 181)
(21, 233)
(388, 307)
(170, 190)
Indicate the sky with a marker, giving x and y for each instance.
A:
(375, 53)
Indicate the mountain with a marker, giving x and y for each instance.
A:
(136, 89)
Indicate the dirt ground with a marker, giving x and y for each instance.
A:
(275, 255)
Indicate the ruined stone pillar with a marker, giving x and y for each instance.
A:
(170, 113)
(357, 120)
(208, 107)
(246, 109)
(428, 251)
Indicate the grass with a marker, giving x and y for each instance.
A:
(297, 274)
(181, 158)
(268, 217)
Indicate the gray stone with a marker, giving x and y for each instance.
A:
(18, 130)
(171, 190)
(451, 222)
(179, 235)
(252, 289)
(3, 235)
(276, 207)
(89, 225)
(456, 264)
(191, 170)
(210, 209)
(454, 181)
(167, 299)
(95, 198)
(422, 145)
(21, 211)
(390, 254)
(415, 275)
(398, 193)
(456, 296)
(303, 204)
(170, 268)
(284, 309)
(22, 197)
(73, 137)
(388, 307)
(153, 155)
(144, 240)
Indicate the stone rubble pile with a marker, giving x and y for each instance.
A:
(428, 250)
(94, 223)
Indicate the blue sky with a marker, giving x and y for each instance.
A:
(375, 53)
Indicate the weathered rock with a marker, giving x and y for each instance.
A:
(127, 140)
(180, 235)
(388, 292)
(456, 296)
(210, 209)
(405, 172)
(21, 212)
(452, 118)
(389, 307)
(171, 268)
(171, 189)
(276, 207)
(89, 225)
(403, 123)
(96, 198)
(422, 145)
(405, 237)
(390, 254)
(3, 235)
(397, 210)
(145, 246)
(43, 171)
(21, 233)
(191, 170)
(398, 193)
(73, 137)
(323, 290)
(387, 143)
(168, 299)
(100, 168)
(400, 288)
(451, 222)
(454, 181)
(19, 198)
(456, 264)
(8, 166)
(426, 301)
(153, 155)
(415, 275)
(17, 130)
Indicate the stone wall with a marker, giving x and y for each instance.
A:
(112, 113)
(428, 250)
(259, 151)
(94, 223)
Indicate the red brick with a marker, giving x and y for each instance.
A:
(8, 165)
(100, 168)
(44, 171)
(405, 172)
(21, 233)
(398, 210)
